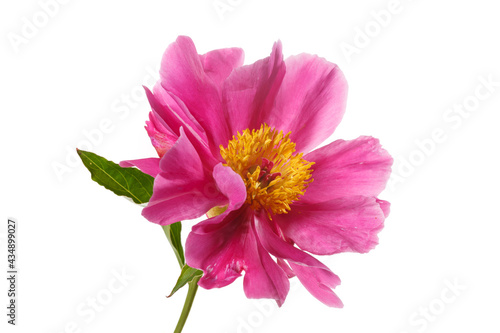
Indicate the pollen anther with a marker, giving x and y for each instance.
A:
(274, 176)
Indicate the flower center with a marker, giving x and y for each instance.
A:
(273, 175)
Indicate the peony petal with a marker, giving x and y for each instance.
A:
(183, 75)
(348, 168)
(174, 122)
(218, 64)
(249, 92)
(177, 109)
(224, 246)
(194, 129)
(151, 166)
(157, 125)
(167, 117)
(230, 184)
(339, 225)
(315, 276)
(269, 282)
(185, 188)
(162, 138)
(385, 206)
(215, 246)
(318, 286)
(285, 267)
(311, 100)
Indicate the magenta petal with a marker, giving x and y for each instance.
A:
(224, 246)
(230, 184)
(348, 168)
(385, 206)
(176, 108)
(151, 166)
(269, 282)
(167, 117)
(161, 137)
(285, 267)
(218, 64)
(281, 249)
(315, 276)
(171, 120)
(183, 75)
(311, 100)
(249, 92)
(340, 225)
(215, 246)
(184, 189)
(320, 287)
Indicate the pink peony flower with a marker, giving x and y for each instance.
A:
(239, 140)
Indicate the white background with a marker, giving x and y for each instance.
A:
(79, 67)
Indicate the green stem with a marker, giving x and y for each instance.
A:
(193, 288)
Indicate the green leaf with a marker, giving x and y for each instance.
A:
(173, 233)
(135, 184)
(188, 274)
(129, 182)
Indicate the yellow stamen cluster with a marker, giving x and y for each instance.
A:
(273, 175)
